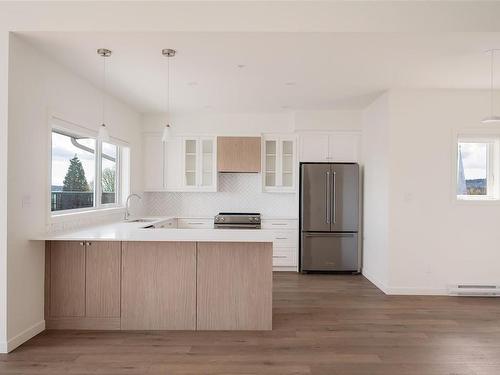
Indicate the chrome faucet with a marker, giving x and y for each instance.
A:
(127, 208)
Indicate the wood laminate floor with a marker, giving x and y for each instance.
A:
(323, 325)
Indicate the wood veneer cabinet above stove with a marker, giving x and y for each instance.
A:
(162, 285)
(239, 154)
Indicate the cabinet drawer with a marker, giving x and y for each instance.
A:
(285, 257)
(286, 238)
(195, 223)
(279, 224)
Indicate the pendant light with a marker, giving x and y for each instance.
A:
(167, 130)
(491, 118)
(103, 134)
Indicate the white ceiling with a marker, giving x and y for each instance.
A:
(281, 72)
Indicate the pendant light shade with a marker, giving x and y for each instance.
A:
(167, 130)
(166, 133)
(103, 134)
(491, 119)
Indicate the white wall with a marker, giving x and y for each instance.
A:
(38, 86)
(432, 240)
(221, 123)
(436, 241)
(328, 120)
(256, 123)
(4, 93)
(376, 175)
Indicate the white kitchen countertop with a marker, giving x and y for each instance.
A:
(263, 217)
(135, 231)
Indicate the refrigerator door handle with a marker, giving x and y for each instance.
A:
(328, 198)
(334, 198)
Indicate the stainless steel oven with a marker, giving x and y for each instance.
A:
(237, 220)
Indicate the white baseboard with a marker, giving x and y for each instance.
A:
(3, 347)
(405, 291)
(287, 269)
(375, 281)
(22, 337)
(416, 291)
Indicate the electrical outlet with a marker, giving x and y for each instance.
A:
(26, 201)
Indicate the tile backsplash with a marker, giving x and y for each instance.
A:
(237, 192)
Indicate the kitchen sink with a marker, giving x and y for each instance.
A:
(139, 221)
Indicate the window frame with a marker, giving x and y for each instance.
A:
(118, 175)
(492, 139)
(65, 127)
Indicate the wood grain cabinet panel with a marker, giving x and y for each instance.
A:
(103, 279)
(234, 282)
(158, 285)
(238, 154)
(67, 279)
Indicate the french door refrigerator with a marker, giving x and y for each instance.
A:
(330, 214)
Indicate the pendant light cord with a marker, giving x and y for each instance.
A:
(492, 62)
(103, 89)
(168, 90)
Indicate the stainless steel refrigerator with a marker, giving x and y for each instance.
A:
(329, 217)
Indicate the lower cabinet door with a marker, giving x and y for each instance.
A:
(102, 281)
(67, 279)
(234, 286)
(158, 286)
(329, 252)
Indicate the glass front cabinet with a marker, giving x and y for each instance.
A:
(199, 164)
(279, 159)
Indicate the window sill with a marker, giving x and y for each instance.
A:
(69, 216)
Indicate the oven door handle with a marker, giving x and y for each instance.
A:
(236, 226)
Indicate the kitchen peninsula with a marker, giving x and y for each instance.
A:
(144, 276)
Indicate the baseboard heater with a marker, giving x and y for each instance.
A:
(471, 290)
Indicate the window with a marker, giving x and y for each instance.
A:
(85, 173)
(109, 160)
(477, 168)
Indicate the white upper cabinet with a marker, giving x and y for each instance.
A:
(199, 158)
(172, 165)
(313, 147)
(279, 163)
(330, 147)
(153, 162)
(180, 164)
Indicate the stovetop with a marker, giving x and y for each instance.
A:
(240, 213)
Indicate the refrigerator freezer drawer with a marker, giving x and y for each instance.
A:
(329, 251)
